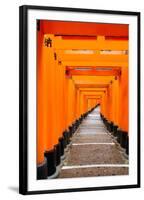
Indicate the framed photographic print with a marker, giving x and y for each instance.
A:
(79, 99)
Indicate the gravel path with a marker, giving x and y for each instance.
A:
(91, 147)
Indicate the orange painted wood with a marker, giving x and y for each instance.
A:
(83, 28)
(90, 44)
(47, 126)
(58, 101)
(49, 103)
(62, 99)
(70, 101)
(96, 63)
(94, 72)
(123, 113)
(40, 108)
(116, 100)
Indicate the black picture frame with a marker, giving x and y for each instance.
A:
(23, 95)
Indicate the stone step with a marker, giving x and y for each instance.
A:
(94, 154)
(94, 171)
(93, 138)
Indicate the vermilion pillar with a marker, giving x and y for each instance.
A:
(123, 114)
(40, 108)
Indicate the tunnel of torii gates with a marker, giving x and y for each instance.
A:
(79, 66)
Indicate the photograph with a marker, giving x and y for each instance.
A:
(79, 99)
(82, 99)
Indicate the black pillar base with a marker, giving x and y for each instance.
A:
(64, 139)
(111, 124)
(66, 135)
(71, 130)
(123, 139)
(105, 121)
(51, 162)
(58, 153)
(115, 127)
(76, 124)
(108, 125)
(42, 171)
(127, 145)
(61, 140)
(118, 134)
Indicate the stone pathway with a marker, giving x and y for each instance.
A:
(93, 151)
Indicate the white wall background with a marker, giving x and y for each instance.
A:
(9, 97)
